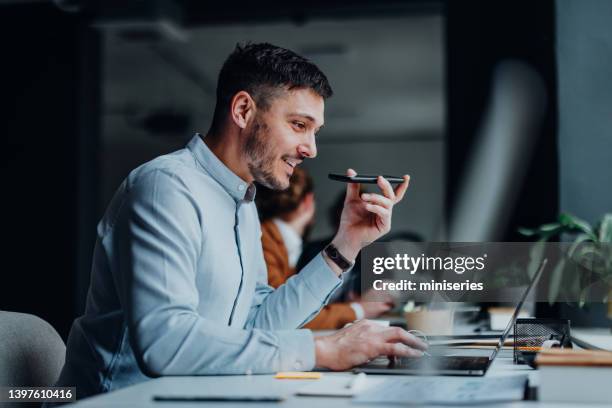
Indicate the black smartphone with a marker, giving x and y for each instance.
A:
(364, 178)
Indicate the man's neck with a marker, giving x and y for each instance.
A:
(227, 149)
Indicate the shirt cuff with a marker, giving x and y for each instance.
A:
(358, 309)
(297, 350)
(320, 279)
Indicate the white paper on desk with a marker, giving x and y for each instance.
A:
(445, 390)
(335, 386)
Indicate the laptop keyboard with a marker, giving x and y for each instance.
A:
(444, 363)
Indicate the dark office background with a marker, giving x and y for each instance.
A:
(52, 87)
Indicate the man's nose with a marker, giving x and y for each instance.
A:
(308, 148)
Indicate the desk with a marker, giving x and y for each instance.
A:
(141, 395)
(598, 337)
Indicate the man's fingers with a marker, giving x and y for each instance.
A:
(378, 210)
(401, 189)
(377, 199)
(396, 334)
(352, 189)
(386, 188)
(383, 307)
(400, 350)
(387, 298)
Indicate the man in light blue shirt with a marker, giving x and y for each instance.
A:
(179, 283)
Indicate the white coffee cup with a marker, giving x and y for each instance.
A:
(431, 322)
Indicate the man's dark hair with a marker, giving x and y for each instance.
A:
(263, 70)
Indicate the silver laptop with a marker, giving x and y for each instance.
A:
(466, 362)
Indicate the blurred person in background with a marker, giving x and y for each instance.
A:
(286, 219)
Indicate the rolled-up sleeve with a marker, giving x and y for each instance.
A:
(158, 244)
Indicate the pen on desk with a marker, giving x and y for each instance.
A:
(217, 398)
(357, 381)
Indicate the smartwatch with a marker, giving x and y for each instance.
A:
(332, 252)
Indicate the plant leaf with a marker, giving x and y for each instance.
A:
(586, 256)
(535, 257)
(605, 228)
(549, 230)
(555, 281)
(528, 232)
(544, 231)
(579, 239)
(583, 295)
(573, 222)
(553, 226)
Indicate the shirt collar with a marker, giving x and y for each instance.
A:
(236, 187)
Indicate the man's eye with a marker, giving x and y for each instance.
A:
(299, 125)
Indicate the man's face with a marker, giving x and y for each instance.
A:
(281, 137)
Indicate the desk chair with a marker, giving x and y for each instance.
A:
(31, 352)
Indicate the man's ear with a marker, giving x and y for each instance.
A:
(242, 109)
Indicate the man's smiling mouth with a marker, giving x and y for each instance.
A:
(292, 162)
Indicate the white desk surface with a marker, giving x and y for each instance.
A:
(600, 337)
(141, 395)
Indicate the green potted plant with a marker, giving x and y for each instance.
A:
(590, 246)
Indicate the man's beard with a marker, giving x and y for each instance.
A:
(262, 157)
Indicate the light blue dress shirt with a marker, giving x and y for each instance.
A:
(179, 283)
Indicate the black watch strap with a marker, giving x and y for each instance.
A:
(332, 252)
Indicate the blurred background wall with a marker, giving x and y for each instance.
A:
(584, 53)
